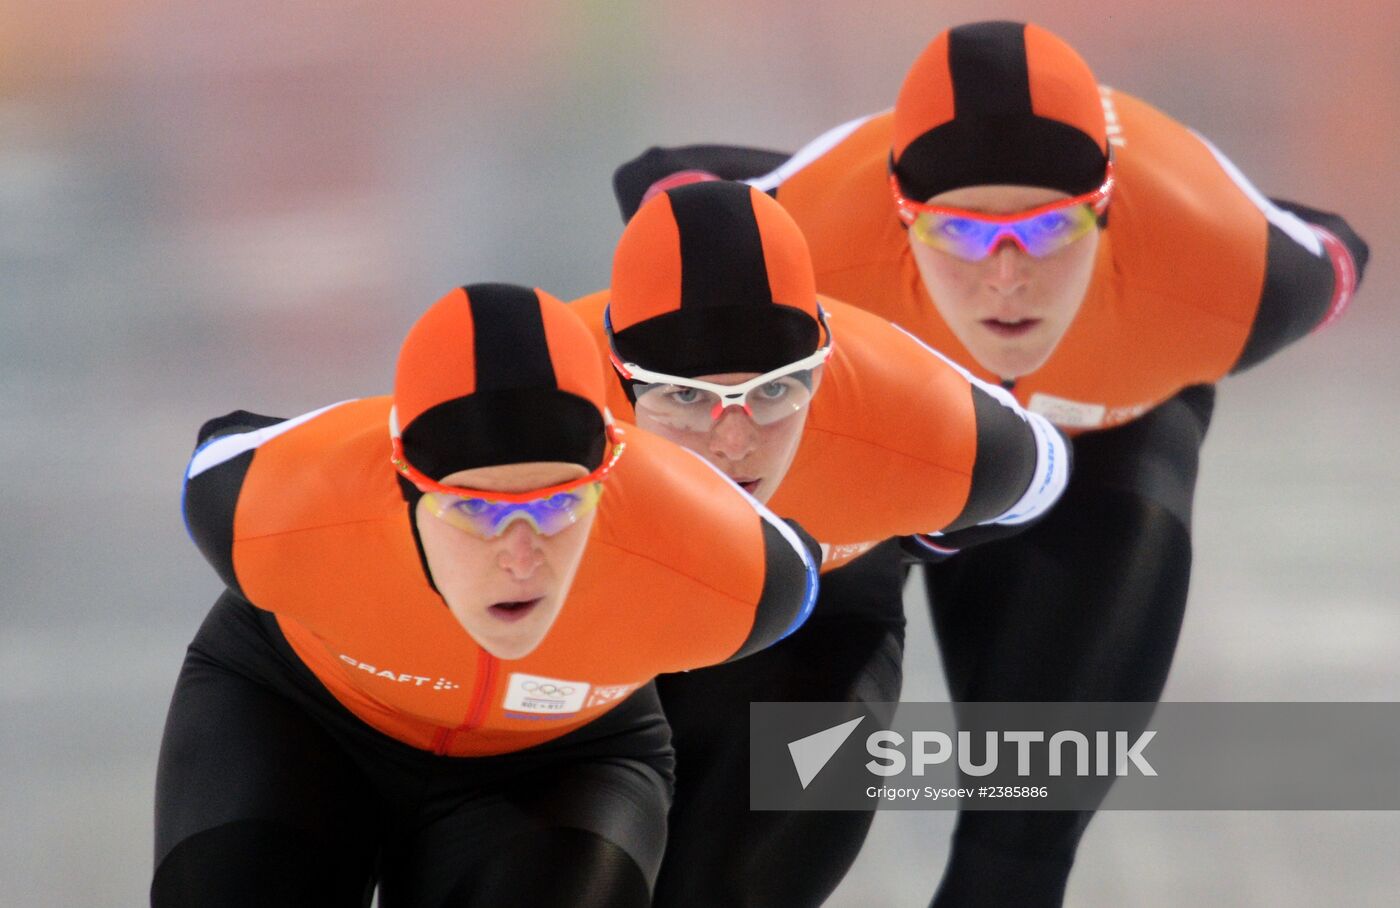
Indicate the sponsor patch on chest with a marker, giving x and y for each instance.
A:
(606, 694)
(1072, 414)
(836, 554)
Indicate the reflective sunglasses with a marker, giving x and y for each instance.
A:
(489, 519)
(973, 235)
(488, 514)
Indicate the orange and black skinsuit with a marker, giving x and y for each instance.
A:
(710, 279)
(1198, 276)
(333, 717)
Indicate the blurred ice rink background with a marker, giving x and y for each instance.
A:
(206, 206)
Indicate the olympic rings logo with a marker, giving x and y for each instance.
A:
(547, 690)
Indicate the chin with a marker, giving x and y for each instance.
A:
(514, 648)
(764, 491)
(1016, 366)
(1011, 363)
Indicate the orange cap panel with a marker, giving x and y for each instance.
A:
(1062, 86)
(646, 273)
(926, 97)
(577, 366)
(590, 311)
(437, 362)
(785, 254)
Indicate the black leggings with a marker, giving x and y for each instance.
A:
(1085, 606)
(722, 854)
(270, 793)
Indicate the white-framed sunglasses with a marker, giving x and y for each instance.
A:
(689, 403)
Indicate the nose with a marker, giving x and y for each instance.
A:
(1007, 272)
(519, 554)
(734, 435)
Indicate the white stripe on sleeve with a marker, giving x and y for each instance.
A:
(1050, 477)
(1287, 221)
(806, 155)
(788, 534)
(227, 447)
(1051, 450)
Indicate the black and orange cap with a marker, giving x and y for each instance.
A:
(998, 103)
(497, 374)
(713, 277)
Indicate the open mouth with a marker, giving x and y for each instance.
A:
(1010, 327)
(748, 485)
(514, 611)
